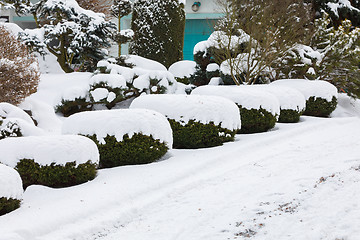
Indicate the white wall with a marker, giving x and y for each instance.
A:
(207, 6)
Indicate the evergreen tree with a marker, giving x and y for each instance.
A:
(158, 30)
(77, 37)
(340, 50)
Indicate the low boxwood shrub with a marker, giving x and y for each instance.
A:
(194, 134)
(289, 116)
(55, 175)
(8, 205)
(256, 120)
(320, 107)
(11, 190)
(321, 96)
(138, 149)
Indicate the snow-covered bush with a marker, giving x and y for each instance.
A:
(182, 70)
(158, 30)
(196, 121)
(19, 70)
(321, 96)
(124, 137)
(259, 110)
(14, 122)
(333, 56)
(54, 161)
(114, 83)
(212, 70)
(78, 38)
(292, 102)
(11, 190)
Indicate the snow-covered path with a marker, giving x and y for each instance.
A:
(299, 181)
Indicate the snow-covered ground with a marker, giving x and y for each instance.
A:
(298, 181)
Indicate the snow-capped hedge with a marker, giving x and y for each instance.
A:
(55, 161)
(259, 110)
(126, 136)
(11, 190)
(292, 102)
(182, 70)
(197, 121)
(321, 96)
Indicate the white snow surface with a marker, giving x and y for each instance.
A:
(119, 123)
(310, 88)
(26, 128)
(13, 28)
(99, 94)
(183, 108)
(248, 98)
(45, 150)
(111, 80)
(212, 67)
(184, 68)
(10, 183)
(8, 110)
(144, 63)
(289, 98)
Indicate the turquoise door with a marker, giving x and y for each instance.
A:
(196, 30)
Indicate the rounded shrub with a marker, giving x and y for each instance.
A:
(10, 189)
(123, 137)
(196, 121)
(55, 175)
(53, 161)
(292, 102)
(194, 135)
(259, 110)
(138, 149)
(320, 107)
(321, 96)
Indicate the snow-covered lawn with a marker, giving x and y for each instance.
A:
(298, 181)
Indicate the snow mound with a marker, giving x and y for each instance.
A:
(119, 123)
(219, 39)
(26, 128)
(246, 97)
(184, 68)
(144, 63)
(10, 183)
(110, 80)
(212, 67)
(310, 88)
(8, 110)
(151, 79)
(182, 108)
(113, 68)
(289, 98)
(347, 107)
(13, 28)
(44, 115)
(45, 150)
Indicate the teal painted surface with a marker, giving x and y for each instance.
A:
(196, 30)
(24, 19)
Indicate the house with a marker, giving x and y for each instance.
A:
(201, 16)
